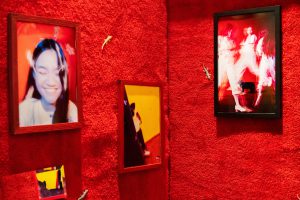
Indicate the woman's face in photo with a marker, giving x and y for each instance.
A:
(47, 76)
(249, 30)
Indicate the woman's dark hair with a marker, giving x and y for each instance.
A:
(226, 29)
(132, 108)
(268, 42)
(61, 107)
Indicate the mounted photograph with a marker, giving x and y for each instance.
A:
(140, 126)
(247, 60)
(43, 74)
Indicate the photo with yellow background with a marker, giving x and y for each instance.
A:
(49, 175)
(147, 104)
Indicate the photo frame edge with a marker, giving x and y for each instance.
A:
(278, 56)
(13, 106)
(121, 168)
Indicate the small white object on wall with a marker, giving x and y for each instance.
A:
(109, 37)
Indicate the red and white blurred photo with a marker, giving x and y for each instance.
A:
(246, 63)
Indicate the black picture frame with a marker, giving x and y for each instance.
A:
(247, 63)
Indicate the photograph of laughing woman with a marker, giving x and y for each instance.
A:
(46, 100)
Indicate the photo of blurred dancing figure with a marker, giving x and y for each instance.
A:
(246, 75)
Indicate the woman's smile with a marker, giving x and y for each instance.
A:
(47, 78)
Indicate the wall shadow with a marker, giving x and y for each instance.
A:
(235, 126)
(30, 152)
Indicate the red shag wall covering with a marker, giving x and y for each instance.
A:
(227, 158)
(211, 158)
(137, 51)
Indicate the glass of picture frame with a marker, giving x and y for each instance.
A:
(44, 74)
(247, 60)
(141, 132)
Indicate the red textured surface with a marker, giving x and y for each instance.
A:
(137, 51)
(20, 186)
(211, 158)
(229, 158)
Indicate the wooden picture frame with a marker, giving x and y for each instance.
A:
(247, 63)
(141, 130)
(44, 74)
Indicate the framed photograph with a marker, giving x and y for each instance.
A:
(247, 60)
(51, 183)
(45, 184)
(44, 74)
(141, 129)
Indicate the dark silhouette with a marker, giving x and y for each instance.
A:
(133, 152)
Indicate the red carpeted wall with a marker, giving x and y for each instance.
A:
(137, 51)
(211, 158)
(228, 158)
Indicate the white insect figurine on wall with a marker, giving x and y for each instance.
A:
(83, 195)
(109, 37)
(207, 74)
